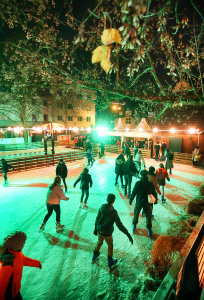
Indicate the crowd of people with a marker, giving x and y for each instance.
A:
(149, 184)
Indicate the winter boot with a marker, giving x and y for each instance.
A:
(59, 226)
(133, 227)
(42, 227)
(95, 256)
(111, 262)
(149, 231)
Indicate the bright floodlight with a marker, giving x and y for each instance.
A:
(114, 107)
(88, 129)
(127, 129)
(155, 130)
(75, 129)
(172, 130)
(192, 131)
(102, 131)
(9, 128)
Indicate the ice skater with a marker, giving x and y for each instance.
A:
(5, 167)
(141, 190)
(12, 261)
(169, 160)
(129, 171)
(139, 160)
(61, 170)
(162, 175)
(119, 162)
(86, 181)
(54, 195)
(105, 220)
(90, 158)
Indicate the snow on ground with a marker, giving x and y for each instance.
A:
(67, 272)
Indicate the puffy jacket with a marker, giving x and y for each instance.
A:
(54, 195)
(130, 168)
(61, 170)
(161, 175)
(119, 166)
(11, 272)
(85, 181)
(105, 220)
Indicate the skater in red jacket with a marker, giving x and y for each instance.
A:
(12, 261)
(162, 175)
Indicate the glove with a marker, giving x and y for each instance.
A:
(95, 232)
(130, 238)
(155, 202)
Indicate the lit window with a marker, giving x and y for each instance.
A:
(88, 119)
(79, 118)
(70, 118)
(59, 118)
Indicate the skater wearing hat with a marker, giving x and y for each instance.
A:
(12, 261)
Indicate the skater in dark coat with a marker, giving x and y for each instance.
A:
(61, 170)
(90, 157)
(5, 167)
(141, 190)
(104, 223)
(129, 171)
(54, 195)
(12, 261)
(119, 162)
(157, 148)
(102, 146)
(127, 151)
(86, 180)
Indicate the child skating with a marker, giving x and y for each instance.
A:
(12, 261)
(5, 167)
(86, 181)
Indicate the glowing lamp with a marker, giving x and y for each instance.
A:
(88, 129)
(127, 129)
(9, 128)
(114, 107)
(155, 130)
(172, 130)
(102, 131)
(192, 130)
(75, 129)
(140, 129)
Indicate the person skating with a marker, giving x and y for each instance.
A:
(86, 181)
(5, 167)
(129, 171)
(196, 156)
(162, 175)
(61, 170)
(90, 158)
(54, 195)
(135, 150)
(102, 146)
(152, 177)
(119, 162)
(139, 160)
(127, 151)
(157, 148)
(141, 190)
(104, 227)
(163, 148)
(169, 160)
(12, 261)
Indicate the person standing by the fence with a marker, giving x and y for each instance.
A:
(61, 170)
(196, 156)
(169, 160)
(54, 195)
(5, 167)
(86, 180)
(162, 175)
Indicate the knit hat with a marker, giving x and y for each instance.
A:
(15, 240)
(151, 170)
(161, 165)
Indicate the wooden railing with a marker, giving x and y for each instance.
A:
(185, 279)
(186, 158)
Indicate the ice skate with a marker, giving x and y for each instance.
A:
(42, 227)
(59, 227)
(111, 262)
(133, 227)
(149, 231)
(85, 206)
(95, 256)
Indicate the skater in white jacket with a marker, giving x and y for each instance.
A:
(139, 159)
(54, 194)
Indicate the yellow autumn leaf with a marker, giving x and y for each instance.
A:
(110, 36)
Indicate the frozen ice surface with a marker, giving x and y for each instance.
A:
(67, 271)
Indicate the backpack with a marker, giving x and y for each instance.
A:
(171, 156)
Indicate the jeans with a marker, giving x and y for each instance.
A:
(148, 212)
(121, 178)
(65, 185)
(109, 242)
(50, 208)
(83, 191)
(128, 182)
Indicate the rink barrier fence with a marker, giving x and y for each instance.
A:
(187, 273)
